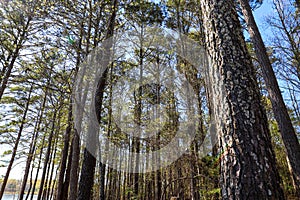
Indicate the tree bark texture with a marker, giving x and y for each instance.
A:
(248, 168)
(282, 117)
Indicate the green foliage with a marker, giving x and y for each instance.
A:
(8, 152)
(144, 12)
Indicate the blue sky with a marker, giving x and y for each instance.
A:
(260, 14)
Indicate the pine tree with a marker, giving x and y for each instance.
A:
(248, 168)
(287, 131)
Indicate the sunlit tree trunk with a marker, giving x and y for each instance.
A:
(248, 167)
(282, 117)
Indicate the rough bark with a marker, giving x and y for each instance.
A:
(248, 168)
(282, 117)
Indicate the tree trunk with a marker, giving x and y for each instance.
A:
(38, 169)
(282, 117)
(294, 102)
(32, 147)
(87, 176)
(89, 161)
(102, 181)
(64, 156)
(5, 75)
(47, 157)
(30, 182)
(248, 167)
(14, 151)
(68, 175)
(76, 150)
(51, 184)
(50, 168)
(74, 166)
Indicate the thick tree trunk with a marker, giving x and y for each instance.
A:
(248, 167)
(282, 117)
(87, 176)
